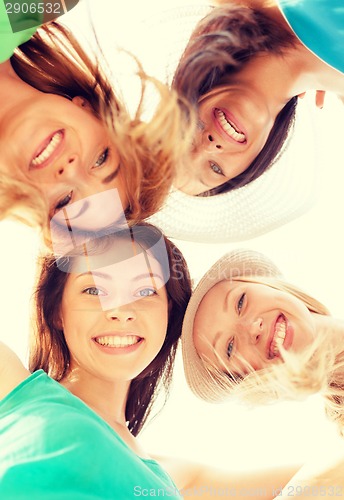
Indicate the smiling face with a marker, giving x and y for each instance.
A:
(115, 318)
(235, 124)
(58, 145)
(240, 326)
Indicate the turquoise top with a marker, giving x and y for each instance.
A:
(319, 24)
(24, 26)
(54, 447)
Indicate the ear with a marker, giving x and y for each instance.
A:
(81, 102)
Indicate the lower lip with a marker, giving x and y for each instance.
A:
(223, 133)
(55, 153)
(289, 336)
(119, 350)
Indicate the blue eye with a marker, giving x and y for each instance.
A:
(146, 292)
(102, 158)
(241, 302)
(230, 348)
(215, 168)
(92, 290)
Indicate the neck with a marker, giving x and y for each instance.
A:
(107, 398)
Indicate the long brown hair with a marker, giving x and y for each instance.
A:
(222, 43)
(53, 61)
(49, 350)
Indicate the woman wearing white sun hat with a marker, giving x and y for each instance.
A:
(282, 195)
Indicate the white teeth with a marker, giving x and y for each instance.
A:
(280, 333)
(44, 155)
(114, 341)
(229, 127)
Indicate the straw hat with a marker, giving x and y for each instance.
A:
(207, 386)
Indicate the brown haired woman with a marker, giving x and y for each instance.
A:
(66, 135)
(109, 320)
(243, 67)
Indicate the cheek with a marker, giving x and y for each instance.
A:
(246, 360)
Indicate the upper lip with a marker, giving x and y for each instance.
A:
(234, 121)
(269, 354)
(43, 145)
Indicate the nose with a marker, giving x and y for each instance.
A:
(121, 314)
(68, 168)
(211, 143)
(255, 330)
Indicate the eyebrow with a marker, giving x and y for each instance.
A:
(82, 210)
(225, 309)
(215, 340)
(94, 273)
(109, 277)
(227, 299)
(112, 176)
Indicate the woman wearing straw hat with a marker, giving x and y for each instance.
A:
(248, 332)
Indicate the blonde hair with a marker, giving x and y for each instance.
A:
(318, 368)
(54, 62)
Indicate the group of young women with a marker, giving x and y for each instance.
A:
(113, 294)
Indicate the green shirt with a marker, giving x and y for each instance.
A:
(12, 38)
(53, 446)
(319, 24)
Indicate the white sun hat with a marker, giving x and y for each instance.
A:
(284, 192)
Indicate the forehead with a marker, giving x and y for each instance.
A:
(123, 260)
(215, 296)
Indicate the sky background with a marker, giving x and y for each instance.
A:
(309, 250)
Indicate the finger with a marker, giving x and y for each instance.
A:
(320, 98)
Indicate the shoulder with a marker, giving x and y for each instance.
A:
(12, 370)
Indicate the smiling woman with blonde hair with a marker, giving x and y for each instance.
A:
(249, 334)
(65, 133)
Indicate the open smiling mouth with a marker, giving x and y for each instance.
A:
(279, 336)
(229, 127)
(47, 149)
(118, 341)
